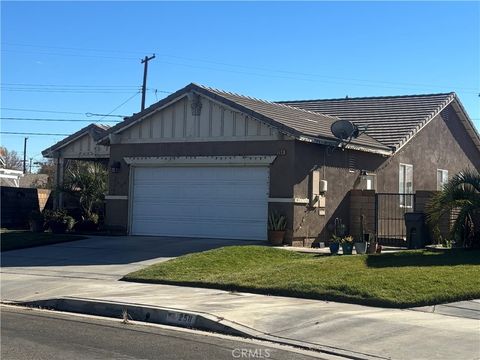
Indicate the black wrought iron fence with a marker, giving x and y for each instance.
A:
(390, 209)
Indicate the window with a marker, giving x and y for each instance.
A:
(370, 185)
(405, 185)
(442, 178)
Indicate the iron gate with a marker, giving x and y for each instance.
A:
(390, 209)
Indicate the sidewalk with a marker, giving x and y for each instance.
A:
(87, 274)
(366, 332)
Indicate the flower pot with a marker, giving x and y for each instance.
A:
(360, 247)
(275, 237)
(334, 248)
(347, 249)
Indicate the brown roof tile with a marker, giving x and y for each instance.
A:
(391, 120)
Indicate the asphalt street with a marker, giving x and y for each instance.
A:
(34, 334)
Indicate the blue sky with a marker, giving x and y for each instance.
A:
(84, 57)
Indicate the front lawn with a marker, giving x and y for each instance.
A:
(18, 239)
(405, 279)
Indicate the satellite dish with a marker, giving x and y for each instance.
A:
(344, 130)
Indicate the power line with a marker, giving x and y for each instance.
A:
(59, 120)
(66, 91)
(369, 81)
(31, 133)
(45, 111)
(70, 85)
(74, 55)
(119, 106)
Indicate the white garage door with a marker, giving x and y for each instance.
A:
(217, 202)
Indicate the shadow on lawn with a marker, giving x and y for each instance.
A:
(424, 258)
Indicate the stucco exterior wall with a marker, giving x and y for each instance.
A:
(441, 144)
(342, 170)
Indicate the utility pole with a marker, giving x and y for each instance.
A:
(25, 155)
(145, 61)
(30, 169)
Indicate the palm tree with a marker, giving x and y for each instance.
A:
(462, 195)
(87, 181)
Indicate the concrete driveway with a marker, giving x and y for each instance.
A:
(30, 273)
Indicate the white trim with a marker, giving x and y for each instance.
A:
(116, 197)
(289, 200)
(441, 185)
(403, 192)
(131, 179)
(250, 160)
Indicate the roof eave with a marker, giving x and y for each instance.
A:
(50, 152)
(465, 118)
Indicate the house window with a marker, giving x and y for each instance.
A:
(405, 185)
(442, 178)
(369, 182)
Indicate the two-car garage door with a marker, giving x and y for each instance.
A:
(216, 202)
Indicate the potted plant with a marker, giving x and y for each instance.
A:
(361, 240)
(36, 221)
(347, 245)
(58, 221)
(276, 228)
(88, 224)
(334, 244)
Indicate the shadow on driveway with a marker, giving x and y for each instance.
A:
(111, 250)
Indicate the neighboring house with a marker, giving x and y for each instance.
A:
(34, 181)
(209, 163)
(10, 177)
(81, 145)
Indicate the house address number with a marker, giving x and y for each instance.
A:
(182, 319)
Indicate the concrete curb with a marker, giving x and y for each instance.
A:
(176, 317)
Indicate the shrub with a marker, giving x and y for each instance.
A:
(277, 222)
(58, 221)
(88, 224)
(461, 193)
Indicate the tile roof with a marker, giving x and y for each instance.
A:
(391, 120)
(302, 121)
(299, 123)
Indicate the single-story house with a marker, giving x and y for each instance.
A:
(209, 163)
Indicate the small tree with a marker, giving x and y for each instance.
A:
(461, 193)
(47, 168)
(10, 159)
(88, 181)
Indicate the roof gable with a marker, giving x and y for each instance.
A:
(298, 123)
(95, 131)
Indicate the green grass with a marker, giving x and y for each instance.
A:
(18, 239)
(404, 279)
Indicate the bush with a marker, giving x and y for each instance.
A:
(88, 224)
(58, 221)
